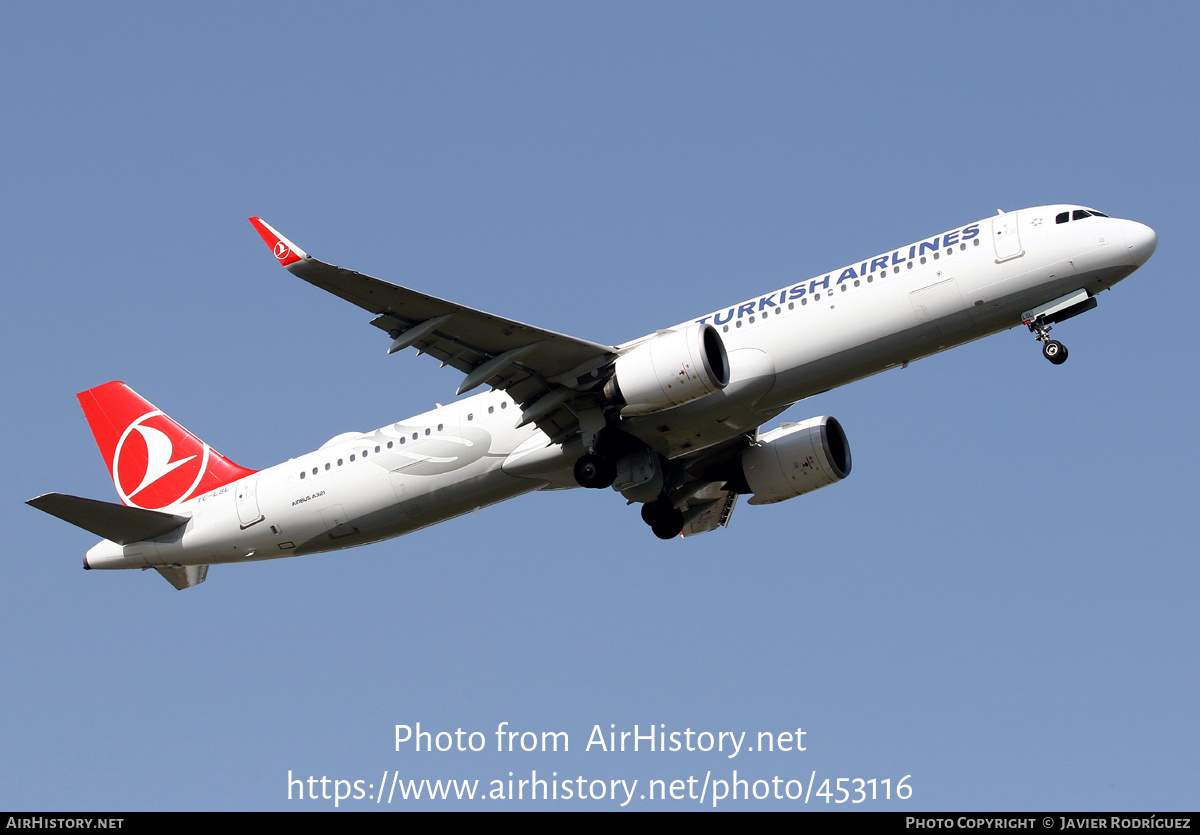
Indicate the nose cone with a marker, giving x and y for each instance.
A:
(1141, 241)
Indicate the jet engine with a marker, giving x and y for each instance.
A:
(669, 369)
(795, 459)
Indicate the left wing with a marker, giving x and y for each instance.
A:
(544, 372)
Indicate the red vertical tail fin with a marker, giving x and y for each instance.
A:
(154, 462)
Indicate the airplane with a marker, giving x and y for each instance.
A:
(672, 421)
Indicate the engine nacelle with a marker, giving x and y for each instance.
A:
(795, 459)
(669, 370)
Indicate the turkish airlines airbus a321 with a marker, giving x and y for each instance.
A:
(671, 421)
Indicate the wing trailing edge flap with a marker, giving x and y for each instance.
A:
(527, 363)
(710, 515)
(114, 522)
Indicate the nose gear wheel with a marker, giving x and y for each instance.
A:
(1052, 349)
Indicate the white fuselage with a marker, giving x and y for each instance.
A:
(783, 347)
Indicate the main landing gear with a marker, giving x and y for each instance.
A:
(595, 471)
(1052, 349)
(663, 518)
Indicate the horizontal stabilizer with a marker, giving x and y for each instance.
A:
(183, 576)
(114, 522)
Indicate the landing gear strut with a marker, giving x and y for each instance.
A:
(663, 518)
(593, 470)
(1052, 349)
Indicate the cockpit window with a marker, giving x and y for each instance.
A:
(1078, 214)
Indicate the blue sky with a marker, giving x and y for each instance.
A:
(1000, 601)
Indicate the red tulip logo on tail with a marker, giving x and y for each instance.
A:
(154, 462)
(155, 465)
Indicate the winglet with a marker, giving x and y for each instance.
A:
(286, 251)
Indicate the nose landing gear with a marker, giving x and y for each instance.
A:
(1052, 349)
